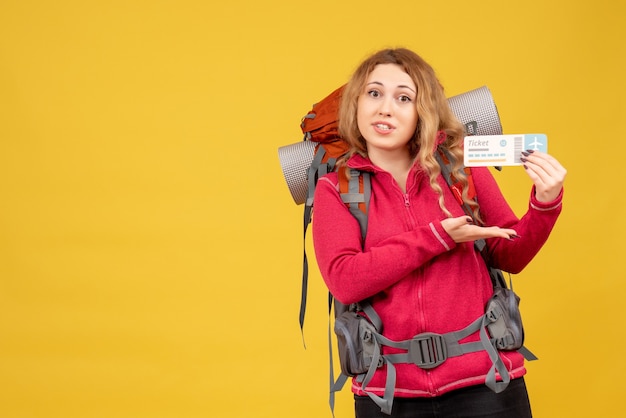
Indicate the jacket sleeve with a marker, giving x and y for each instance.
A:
(352, 274)
(533, 228)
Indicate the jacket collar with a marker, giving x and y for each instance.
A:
(362, 163)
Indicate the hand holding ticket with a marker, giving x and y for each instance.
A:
(500, 150)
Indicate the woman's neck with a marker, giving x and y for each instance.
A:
(398, 164)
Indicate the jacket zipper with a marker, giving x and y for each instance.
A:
(407, 205)
(420, 290)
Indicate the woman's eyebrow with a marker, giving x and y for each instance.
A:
(406, 87)
(399, 86)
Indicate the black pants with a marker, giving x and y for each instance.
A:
(472, 402)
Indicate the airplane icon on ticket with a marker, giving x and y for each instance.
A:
(535, 145)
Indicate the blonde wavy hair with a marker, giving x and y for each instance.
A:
(434, 114)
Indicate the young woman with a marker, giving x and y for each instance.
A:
(418, 266)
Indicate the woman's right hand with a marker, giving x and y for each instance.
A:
(462, 229)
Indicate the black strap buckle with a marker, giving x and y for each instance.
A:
(428, 350)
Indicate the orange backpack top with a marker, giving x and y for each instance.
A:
(321, 123)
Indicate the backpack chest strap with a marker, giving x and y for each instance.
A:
(428, 350)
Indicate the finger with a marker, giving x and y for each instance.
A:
(543, 156)
(504, 233)
(549, 171)
(548, 182)
(548, 163)
(462, 220)
(543, 173)
(450, 225)
(538, 174)
(495, 232)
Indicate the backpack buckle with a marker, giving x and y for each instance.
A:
(428, 350)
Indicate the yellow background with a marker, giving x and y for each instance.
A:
(150, 252)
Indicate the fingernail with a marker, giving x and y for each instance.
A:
(522, 159)
(469, 220)
(514, 236)
(530, 151)
(525, 167)
(525, 154)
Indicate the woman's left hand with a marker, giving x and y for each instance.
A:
(546, 173)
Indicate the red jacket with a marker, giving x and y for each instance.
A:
(419, 280)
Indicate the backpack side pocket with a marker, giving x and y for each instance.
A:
(356, 343)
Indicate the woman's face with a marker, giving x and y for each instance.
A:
(386, 111)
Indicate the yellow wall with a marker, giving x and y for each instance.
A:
(150, 252)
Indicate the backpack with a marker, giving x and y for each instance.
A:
(304, 162)
(359, 329)
(359, 336)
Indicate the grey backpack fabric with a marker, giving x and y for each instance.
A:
(356, 342)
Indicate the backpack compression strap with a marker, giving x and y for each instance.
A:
(316, 170)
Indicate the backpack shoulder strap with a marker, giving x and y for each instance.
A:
(356, 191)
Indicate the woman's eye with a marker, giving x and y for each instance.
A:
(374, 93)
(404, 99)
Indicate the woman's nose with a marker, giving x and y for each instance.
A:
(385, 107)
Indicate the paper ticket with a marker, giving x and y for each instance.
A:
(500, 150)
